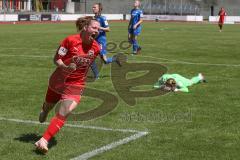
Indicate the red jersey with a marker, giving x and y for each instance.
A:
(73, 50)
(222, 15)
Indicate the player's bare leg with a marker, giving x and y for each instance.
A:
(139, 48)
(135, 44)
(220, 27)
(57, 122)
(130, 38)
(45, 110)
(66, 107)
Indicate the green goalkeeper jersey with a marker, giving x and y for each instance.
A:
(182, 82)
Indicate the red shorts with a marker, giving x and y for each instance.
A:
(70, 93)
(221, 20)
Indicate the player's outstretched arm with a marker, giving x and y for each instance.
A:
(71, 67)
(105, 29)
(137, 24)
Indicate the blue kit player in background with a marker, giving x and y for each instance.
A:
(102, 39)
(134, 27)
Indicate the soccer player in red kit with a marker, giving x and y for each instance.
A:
(222, 13)
(73, 58)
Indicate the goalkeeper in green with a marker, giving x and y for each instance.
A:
(176, 82)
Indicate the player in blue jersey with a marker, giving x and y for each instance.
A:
(102, 39)
(134, 27)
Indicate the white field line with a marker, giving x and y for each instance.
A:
(25, 56)
(168, 61)
(174, 61)
(189, 63)
(84, 156)
(110, 146)
(33, 49)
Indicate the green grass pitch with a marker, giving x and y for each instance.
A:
(202, 124)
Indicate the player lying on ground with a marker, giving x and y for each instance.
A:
(73, 59)
(134, 26)
(102, 39)
(176, 82)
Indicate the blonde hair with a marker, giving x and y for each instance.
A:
(139, 2)
(100, 6)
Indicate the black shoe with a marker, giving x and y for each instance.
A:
(139, 50)
(117, 60)
(43, 116)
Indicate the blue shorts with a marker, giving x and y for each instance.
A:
(136, 31)
(103, 45)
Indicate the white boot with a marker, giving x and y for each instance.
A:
(42, 145)
(201, 76)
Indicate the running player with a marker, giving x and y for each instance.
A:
(222, 13)
(176, 82)
(101, 38)
(73, 58)
(134, 26)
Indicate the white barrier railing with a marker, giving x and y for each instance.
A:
(73, 17)
(8, 17)
(173, 18)
(228, 19)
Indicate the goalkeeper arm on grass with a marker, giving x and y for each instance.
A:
(176, 82)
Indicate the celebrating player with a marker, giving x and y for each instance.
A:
(134, 26)
(73, 58)
(222, 13)
(176, 82)
(101, 38)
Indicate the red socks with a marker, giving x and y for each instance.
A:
(55, 125)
